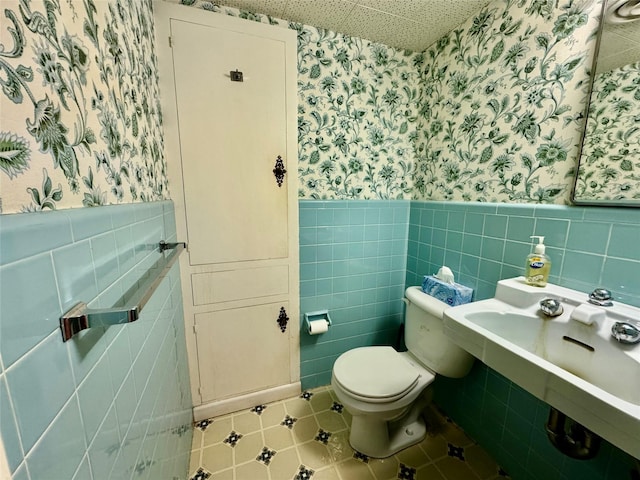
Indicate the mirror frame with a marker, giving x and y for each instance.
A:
(592, 202)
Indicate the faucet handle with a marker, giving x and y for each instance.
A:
(551, 307)
(625, 332)
(601, 297)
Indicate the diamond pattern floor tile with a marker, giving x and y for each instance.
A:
(307, 438)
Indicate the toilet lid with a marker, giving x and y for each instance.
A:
(375, 372)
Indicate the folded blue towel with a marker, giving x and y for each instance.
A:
(451, 294)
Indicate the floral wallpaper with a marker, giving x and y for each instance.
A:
(610, 160)
(357, 106)
(81, 121)
(357, 112)
(504, 96)
(491, 112)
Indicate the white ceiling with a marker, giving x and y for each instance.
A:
(403, 24)
(416, 24)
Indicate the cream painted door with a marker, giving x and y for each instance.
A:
(222, 138)
(231, 132)
(243, 342)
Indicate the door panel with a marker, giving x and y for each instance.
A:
(230, 285)
(241, 350)
(230, 136)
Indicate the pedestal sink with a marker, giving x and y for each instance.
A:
(569, 361)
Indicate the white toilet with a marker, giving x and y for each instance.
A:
(385, 391)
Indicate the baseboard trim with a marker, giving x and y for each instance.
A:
(229, 405)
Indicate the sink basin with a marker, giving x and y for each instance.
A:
(575, 367)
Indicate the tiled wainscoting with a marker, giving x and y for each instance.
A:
(352, 255)
(483, 243)
(352, 262)
(306, 438)
(111, 402)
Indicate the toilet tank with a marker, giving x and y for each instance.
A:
(425, 338)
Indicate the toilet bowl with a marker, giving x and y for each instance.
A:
(386, 391)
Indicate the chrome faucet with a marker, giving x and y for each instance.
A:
(625, 332)
(601, 297)
(551, 307)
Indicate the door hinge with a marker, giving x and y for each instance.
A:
(170, 43)
(195, 331)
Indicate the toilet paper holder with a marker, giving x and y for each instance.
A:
(316, 316)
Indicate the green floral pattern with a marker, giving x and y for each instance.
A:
(492, 112)
(501, 115)
(357, 113)
(83, 76)
(610, 160)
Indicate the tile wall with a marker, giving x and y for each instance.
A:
(112, 402)
(483, 243)
(352, 262)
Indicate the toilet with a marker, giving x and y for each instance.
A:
(386, 391)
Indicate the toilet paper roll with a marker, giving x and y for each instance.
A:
(316, 327)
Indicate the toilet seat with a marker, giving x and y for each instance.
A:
(375, 374)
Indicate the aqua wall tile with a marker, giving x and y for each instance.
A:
(439, 238)
(356, 216)
(105, 259)
(474, 223)
(589, 236)
(40, 384)
(456, 221)
(372, 215)
(307, 216)
(119, 357)
(472, 244)
(45, 379)
(515, 253)
(63, 440)
(23, 474)
(356, 281)
(440, 219)
(495, 226)
(324, 217)
(622, 237)
(85, 349)
(9, 429)
(95, 396)
(515, 209)
(22, 234)
(75, 274)
(582, 266)
(559, 211)
(553, 230)
(89, 222)
(454, 241)
(521, 229)
(492, 248)
(621, 276)
(84, 470)
(30, 309)
(126, 402)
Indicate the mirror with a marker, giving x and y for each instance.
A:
(609, 164)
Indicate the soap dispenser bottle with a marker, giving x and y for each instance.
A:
(538, 265)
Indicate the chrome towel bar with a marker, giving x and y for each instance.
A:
(80, 317)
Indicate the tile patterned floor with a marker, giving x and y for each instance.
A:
(307, 438)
